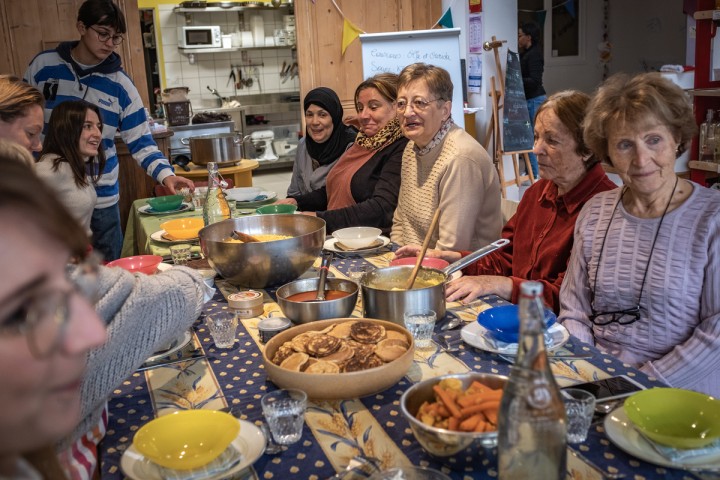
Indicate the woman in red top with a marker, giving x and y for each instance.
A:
(541, 231)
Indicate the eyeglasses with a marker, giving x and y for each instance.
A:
(104, 37)
(622, 317)
(418, 105)
(44, 322)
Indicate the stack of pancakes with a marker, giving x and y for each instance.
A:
(342, 347)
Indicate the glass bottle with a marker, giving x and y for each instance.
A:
(216, 208)
(707, 138)
(531, 422)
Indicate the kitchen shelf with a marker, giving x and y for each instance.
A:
(187, 51)
(185, 10)
(704, 166)
(707, 15)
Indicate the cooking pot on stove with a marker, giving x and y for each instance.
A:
(384, 295)
(223, 148)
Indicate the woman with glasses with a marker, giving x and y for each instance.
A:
(362, 187)
(72, 158)
(541, 231)
(643, 279)
(47, 322)
(442, 167)
(325, 140)
(89, 69)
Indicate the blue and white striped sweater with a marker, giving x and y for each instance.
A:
(106, 85)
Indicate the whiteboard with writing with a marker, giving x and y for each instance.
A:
(393, 51)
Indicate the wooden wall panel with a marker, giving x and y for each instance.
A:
(319, 32)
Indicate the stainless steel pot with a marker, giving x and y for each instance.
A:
(222, 148)
(381, 301)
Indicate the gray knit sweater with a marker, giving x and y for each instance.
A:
(142, 313)
(677, 338)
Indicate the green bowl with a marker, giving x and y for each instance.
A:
(166, 203)
(275, 209)
(675, 417)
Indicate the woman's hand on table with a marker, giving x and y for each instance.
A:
(413, 250)
(286, 201)
(175, 182)
(467, 289)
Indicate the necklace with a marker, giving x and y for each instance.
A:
(635, 311)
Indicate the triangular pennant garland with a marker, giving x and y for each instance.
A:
(350, 33)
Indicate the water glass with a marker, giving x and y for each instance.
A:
(421, 326)
(357, 270)
(198, 199)
(579, 408)
(284, 411)
(180, 253)
(222, 327)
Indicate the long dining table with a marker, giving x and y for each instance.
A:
(335, 432)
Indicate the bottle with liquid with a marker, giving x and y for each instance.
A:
(531, 422)
(216, 208)
(707, 138)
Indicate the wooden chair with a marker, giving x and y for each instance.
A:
(161, 190)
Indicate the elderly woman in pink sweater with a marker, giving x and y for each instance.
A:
(644, 275)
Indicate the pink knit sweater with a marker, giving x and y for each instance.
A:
(677, 338)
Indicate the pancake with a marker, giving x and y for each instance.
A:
(357, 364)
(394, 334)
(295, 362)
(341, 330)
(367, 332)
(282, 353)
(362, 349)
(322, 345)
(322, 366)
(342, 354)
(390, 349)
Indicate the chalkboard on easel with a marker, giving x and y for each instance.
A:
(517, 131)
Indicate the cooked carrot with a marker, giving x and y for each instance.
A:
(448, 401)
(491, 415)
(442, 410)
(480, 407)
(483, 427)
(453, 423)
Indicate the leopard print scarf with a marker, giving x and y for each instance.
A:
(385, 136)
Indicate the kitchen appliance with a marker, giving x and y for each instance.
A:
(209, 36)
(222, 148)
(263, 140)
(180, 154)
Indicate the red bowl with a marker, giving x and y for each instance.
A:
(140, 263)
(429, 262)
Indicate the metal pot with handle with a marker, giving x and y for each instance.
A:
(384, 295)
(223, 148)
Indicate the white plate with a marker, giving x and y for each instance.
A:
(250, 442)
(268, 196)
(622, 433)
(330, 246)
(177, 344)
(147, 210)
(243, 194)
(158, 237)
(476, 335)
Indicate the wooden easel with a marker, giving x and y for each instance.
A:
(494, 129)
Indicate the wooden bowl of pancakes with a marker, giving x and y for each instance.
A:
(339, 358)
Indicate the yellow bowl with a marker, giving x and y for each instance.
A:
(183, 228)
(674, 417)
(186, 439)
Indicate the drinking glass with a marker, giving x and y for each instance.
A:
(579, 408)
(180, 253)
(421, 324)
(222, 327)
(284, 411)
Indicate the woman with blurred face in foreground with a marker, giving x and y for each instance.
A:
(644, 275)
(47, 322)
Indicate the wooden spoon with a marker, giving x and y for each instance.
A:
(424, 248)
(244, 237)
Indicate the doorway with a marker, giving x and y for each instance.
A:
(152, 70)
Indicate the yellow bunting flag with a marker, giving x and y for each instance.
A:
(350, 33)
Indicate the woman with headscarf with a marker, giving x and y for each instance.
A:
(325, 140)
(362, 188)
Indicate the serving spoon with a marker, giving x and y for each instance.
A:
(244, 237)
(424, 248)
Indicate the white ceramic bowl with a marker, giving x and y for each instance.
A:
(357, 237)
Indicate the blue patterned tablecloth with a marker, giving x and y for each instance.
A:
(337, 431)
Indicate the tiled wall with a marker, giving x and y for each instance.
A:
(213, 69)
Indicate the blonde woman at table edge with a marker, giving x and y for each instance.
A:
(173, 299)
(643, 279)
(541, 231)
(42, 361)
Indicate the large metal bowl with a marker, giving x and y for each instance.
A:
(263, 264)
(310, 311)
(457, 450)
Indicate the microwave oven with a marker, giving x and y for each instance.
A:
(200, 37)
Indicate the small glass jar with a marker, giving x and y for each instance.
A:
(247, 304)
(270, 327)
